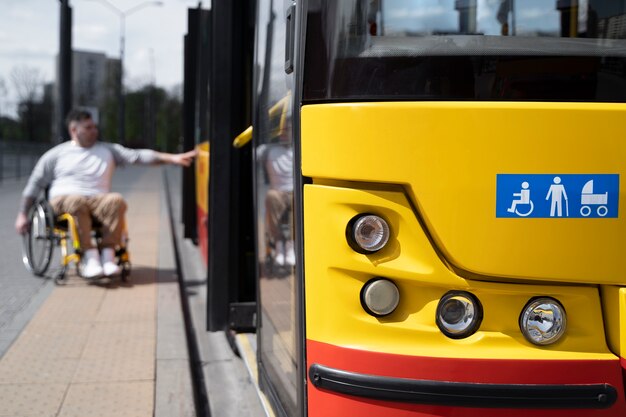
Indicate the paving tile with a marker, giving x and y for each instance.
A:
(128, 304)
(53, 341)
(133, 368)
(78, 304)
(123, 351)
(41, 400)
(119, 348)
(38, 370)
(111, 335)
(121, 399)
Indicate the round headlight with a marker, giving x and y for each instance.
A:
(368, 233)
(380, 297)
(543, 321)
(459, 314)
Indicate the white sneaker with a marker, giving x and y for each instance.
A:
(91, 266)
(280, 253)
(290, 256)
(109, 265)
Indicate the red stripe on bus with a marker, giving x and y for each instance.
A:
(495, 371)
(203, 233)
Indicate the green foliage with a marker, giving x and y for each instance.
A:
(169, 125)
(10, 129)
(153, 119)
(33, 123)
(34, 107)
(109, 107)
(35, 119)
(108, 120)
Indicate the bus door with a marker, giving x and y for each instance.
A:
(277, 328)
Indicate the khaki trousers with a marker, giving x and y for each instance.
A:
(276, 204)
(107, 209)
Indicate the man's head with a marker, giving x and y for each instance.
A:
(82, 128)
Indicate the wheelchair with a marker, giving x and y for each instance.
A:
(48, 230)
(271, 267)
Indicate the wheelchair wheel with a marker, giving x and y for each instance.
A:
(61, 278)
(125, 274)
(38, 242)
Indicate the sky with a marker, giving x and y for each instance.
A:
(441, 15)
(29, 36)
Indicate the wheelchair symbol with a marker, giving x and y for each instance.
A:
(524, 200)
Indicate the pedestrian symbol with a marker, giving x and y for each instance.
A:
(557, 195)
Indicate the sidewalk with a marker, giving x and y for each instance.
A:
(109, 349)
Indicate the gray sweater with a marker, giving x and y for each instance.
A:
(69, 169)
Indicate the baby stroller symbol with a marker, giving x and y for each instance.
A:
(524, 200)
(588, 198)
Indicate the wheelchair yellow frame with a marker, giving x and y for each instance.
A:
(71, 232)
(66, 258)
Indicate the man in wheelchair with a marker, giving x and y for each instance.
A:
(77, 175)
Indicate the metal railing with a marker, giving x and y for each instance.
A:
(17, 159)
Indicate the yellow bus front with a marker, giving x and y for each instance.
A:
(463, 222)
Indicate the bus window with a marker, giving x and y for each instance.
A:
(466, 50)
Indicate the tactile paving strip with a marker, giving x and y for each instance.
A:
(90, 349)
(119, 352)
(121, 305)
(120, 399)
(26, 400)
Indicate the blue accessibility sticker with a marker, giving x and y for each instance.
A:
(557, 195)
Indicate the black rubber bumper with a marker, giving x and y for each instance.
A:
(462, 394)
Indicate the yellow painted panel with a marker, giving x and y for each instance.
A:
(614, 308)
(447, 156)
(335, 274)
(202, 176)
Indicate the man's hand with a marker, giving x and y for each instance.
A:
(183, 159)
(21, 224)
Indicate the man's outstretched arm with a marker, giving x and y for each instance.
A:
(183, 159)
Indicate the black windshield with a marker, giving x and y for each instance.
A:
(548, 50)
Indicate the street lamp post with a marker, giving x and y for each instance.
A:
(64, 86)
(122, 14)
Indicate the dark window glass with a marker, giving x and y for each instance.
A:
(273, 144)
(549, 50)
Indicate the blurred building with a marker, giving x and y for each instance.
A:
(95, 82)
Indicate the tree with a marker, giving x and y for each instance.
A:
(10, 129)
(28, 84)
(109, 105)
(3, 94)
(169, 122)
(153, 119)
